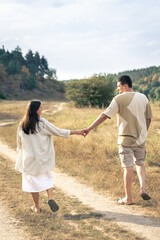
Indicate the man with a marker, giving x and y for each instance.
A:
(134, 118)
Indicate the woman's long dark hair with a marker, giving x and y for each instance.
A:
(31, 118)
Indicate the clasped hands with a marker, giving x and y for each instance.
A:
(83, 132)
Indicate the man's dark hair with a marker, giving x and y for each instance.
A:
(125, 79)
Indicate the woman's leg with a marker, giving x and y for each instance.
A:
(35, 196)
(53, 205)
(50, 193)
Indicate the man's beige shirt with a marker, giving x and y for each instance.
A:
(132, 109)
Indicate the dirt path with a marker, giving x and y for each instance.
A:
(3, 124)
(59, 108)
(10, 228)
(125, 216)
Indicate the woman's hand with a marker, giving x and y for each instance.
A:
(86, 131)
(78, 132)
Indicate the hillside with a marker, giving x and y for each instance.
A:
(145, 80)
(27, 77)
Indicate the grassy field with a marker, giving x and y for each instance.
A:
(94, 160)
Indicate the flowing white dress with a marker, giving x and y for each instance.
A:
(37, 183)
(36, 156)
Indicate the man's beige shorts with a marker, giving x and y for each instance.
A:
(132, 155)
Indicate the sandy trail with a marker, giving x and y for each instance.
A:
(59, 108)
(10, 122)
(9, 227)
(125, 216)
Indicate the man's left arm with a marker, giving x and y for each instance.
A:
(148, 115)
(148, 122)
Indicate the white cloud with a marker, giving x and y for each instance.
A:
(80, 37)
(151, 43)
(156, 53)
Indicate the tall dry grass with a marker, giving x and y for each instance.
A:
(94, 160)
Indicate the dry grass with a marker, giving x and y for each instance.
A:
(72, 221)
(16, 109)
(94, 160)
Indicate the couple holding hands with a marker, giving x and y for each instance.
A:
(36, 156)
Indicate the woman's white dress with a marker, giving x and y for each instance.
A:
(36, 156)
(37, 183)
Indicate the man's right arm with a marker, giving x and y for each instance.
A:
(102, 117)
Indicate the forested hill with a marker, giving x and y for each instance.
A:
(26, 77)
(145, 80)
(29, 76)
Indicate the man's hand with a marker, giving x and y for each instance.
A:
(82, 132)
(86, 131)
(78, 132)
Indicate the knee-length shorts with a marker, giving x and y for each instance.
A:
(132, 155)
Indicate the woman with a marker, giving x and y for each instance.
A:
(36, 156)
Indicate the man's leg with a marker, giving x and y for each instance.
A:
(127, 162)
(35, 196)
(141, 175)
(140, 153)
(128, 180)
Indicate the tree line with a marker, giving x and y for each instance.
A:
(29, 72)
(146, 81)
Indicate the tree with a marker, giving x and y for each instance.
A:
(17, 56)
(37, 60)
(4, 58)
(96, 91)
(3, 74)
(43, 65)
(29, 57)
(28, 83)
(51, 74)
(157, 93)
(11, 68)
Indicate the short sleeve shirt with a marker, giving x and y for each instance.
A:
(132, 109)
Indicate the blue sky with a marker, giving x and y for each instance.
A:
(83, 37)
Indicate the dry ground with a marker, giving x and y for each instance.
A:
(79, 163)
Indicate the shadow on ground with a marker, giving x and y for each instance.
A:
(118, 217)
(82, 216)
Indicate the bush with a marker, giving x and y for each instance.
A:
(2, 96)
(96, 91)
